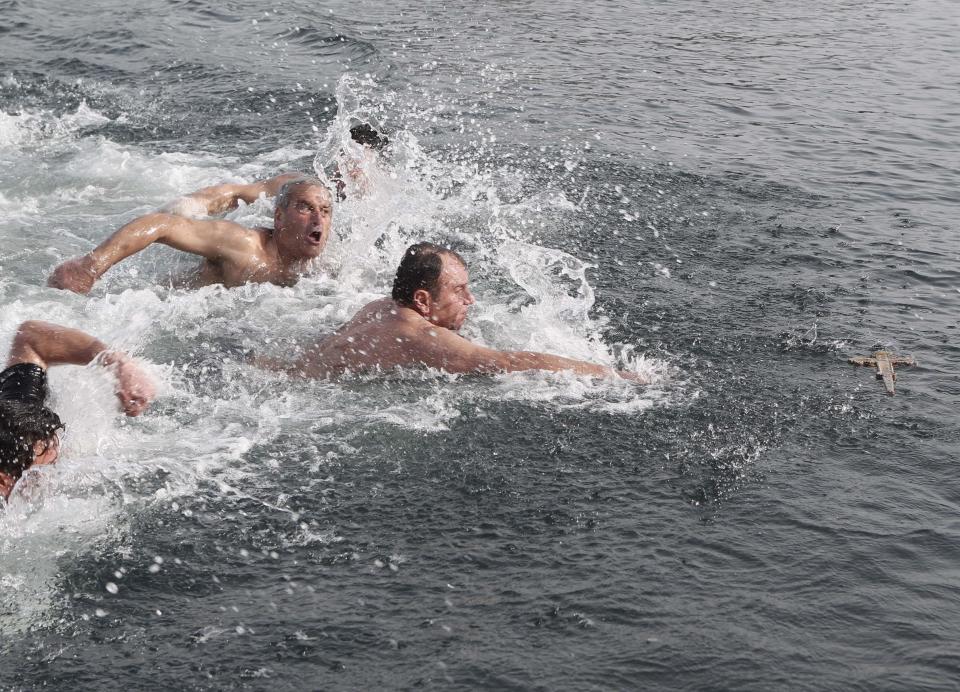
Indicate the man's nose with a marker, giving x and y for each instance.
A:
(470, 300)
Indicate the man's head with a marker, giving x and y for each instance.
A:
(433, 281)
(367, 135)
(28, 436)
(302, 218)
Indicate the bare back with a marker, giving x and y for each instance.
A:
(382, 335)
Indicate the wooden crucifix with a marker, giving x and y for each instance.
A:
(884, 361)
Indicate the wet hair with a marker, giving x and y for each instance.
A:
(22, 425)
(420, 269)
(283, 197)
(366, 134)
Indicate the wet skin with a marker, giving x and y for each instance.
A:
(233, 254)
(387, 334)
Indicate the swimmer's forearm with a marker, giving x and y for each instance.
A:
(213, 200)
(46, 344)
(180, 233)
(303, 368)
(271, 186)
(132, 238)
(530, 360)
(219, 199)
(81, 273)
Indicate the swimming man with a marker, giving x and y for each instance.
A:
(417, 326)
(28, 429)
(232, 254)
(353, 166)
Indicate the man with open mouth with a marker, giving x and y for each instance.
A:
(232, 254)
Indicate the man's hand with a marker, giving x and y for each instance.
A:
(634, 377)
(46, 344)
(77, 275)
(135, 388)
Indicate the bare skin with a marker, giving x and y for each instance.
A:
(386, 335)
(232, 254)
(45, 344)
(356, 170)
(219, 199)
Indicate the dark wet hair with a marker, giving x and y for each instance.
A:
(283, 197)
(420, 269)
(23, 424)
(365, 133)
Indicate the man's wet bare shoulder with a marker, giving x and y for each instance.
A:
(382, 335)
(247, 259)
(383, 313)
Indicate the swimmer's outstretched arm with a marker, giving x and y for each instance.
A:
(303, 367)
(219, 199)
(46, 344)
(512, 361)
(214, 240)
(445, 350)
(449, 351)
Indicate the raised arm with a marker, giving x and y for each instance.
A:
(210, 239)
(46, 344)
(449, 351)
(219, 199)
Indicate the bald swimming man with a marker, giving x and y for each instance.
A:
(232, 254)
(417, 326)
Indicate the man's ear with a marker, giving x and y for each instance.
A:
(277, 215)
(422, 301)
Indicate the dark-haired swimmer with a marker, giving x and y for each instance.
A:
(233, 254)
(354, 166)
(418, 326)
(28, 429)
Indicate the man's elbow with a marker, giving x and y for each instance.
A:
(157, 226)
(26, 343)
(29, 330)
(158, 218)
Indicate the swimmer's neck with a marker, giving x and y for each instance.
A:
(291, 267)
(410, 314)
(405, 311)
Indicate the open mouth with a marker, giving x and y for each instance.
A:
(315, 236)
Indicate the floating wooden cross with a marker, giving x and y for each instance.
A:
(884, 361)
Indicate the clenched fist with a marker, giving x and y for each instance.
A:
(77, 275)
(135, 388)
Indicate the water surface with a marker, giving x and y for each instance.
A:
(733, 197)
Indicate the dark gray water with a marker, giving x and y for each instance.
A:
(732, 196)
